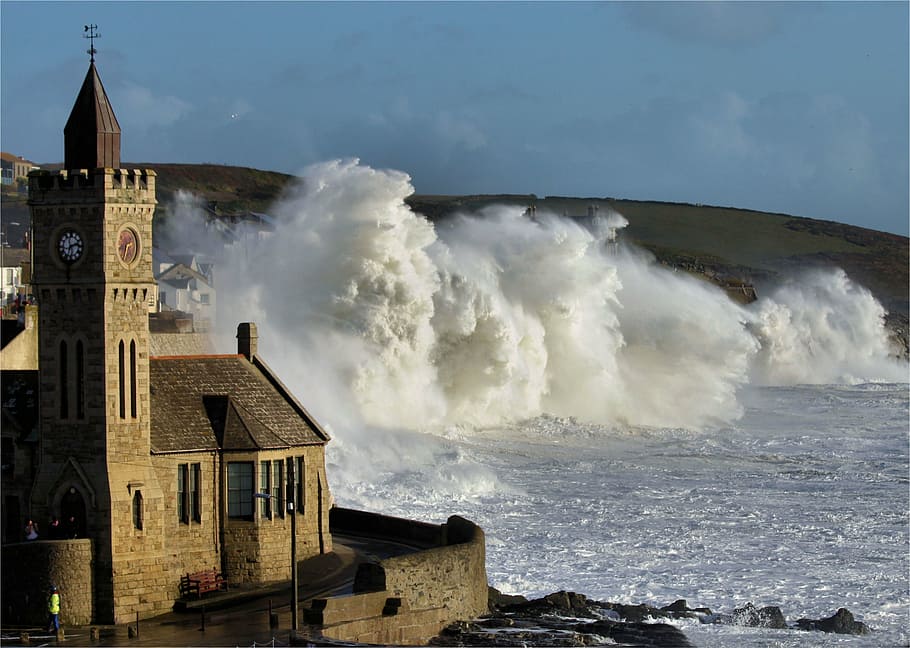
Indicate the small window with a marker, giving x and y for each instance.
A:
(240, 490)
(137, 510)
(182, 508)
(203, 298)
(195, 492)
(301, 484)
(265, 503)
(277, 475)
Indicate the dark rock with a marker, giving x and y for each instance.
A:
(460, 628)
(679, 609)
(680, 605)
(636, 613)
(559, 600)
(496, 622)
(498, 600)
(841, 622)
(556, 604)
(766, 617)
(646, 635)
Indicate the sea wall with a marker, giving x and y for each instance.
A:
(406, 599)
(29, 570)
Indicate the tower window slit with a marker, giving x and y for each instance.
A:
(64, 382)
(80, 380)
(122, 374)
(133, 378)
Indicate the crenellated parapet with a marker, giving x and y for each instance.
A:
(112, 185)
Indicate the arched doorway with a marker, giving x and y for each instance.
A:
(72, 513)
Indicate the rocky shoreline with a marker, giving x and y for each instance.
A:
(570, 619)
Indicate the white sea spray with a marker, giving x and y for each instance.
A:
(504, 367)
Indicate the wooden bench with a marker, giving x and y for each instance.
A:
(202, 582)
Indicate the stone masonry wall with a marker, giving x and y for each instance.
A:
(258, 550)
(454, 576)
(191, 545)
(424, 591)
(30, 568)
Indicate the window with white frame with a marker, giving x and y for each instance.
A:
(265, 476)
(240, 490)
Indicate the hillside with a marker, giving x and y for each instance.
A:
(718, 242)
(756, 247)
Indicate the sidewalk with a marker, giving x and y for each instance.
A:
(238, 617)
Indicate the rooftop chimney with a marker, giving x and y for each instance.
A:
(247, 339)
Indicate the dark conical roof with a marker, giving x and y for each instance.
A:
(92, 134)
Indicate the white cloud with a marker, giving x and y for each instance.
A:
(720, 129)
(460, 132)
(725, 24)
(144, 110)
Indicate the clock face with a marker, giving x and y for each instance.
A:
(128, 246)
(70, 246)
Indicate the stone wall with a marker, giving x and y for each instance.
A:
(191, 544)
(22, 351)
(30, 568)
(453, 576)
(257, 550)
(415, 595)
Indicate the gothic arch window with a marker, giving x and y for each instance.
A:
(133, 378)
(63, 380)
(71, 378)
(80, 380)
(122, 375)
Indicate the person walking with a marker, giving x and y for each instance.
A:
(53, 610)
(31, 530)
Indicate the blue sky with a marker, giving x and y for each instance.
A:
(800, 108)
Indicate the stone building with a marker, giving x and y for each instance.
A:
(159, 462)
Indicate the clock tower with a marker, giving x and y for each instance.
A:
(93, 279)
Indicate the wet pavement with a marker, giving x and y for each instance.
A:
(239, 617)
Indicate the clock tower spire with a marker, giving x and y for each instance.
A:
(93, 278)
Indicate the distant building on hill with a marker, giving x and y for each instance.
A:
(185, 284)
(14, 167)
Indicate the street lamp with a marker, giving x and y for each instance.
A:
(290, 509)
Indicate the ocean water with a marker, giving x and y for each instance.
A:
(618, 429)
(802, 504)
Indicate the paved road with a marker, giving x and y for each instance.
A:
(240, 617)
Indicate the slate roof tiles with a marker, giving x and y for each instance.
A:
(226, 401)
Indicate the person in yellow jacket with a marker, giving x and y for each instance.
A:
(53, 610)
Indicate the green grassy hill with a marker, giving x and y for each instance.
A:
(718, 242)
(732, 244)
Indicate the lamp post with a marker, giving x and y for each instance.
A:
(289, 498)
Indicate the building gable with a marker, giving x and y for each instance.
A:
(226, 402)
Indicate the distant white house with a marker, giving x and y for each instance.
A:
(185, 284)
(12, 281)
(13, 167)
(237, 232)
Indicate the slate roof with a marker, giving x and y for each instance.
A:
(224, 401)
(181, 272)
(92, 133)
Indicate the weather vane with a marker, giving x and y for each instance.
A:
(91, 35)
